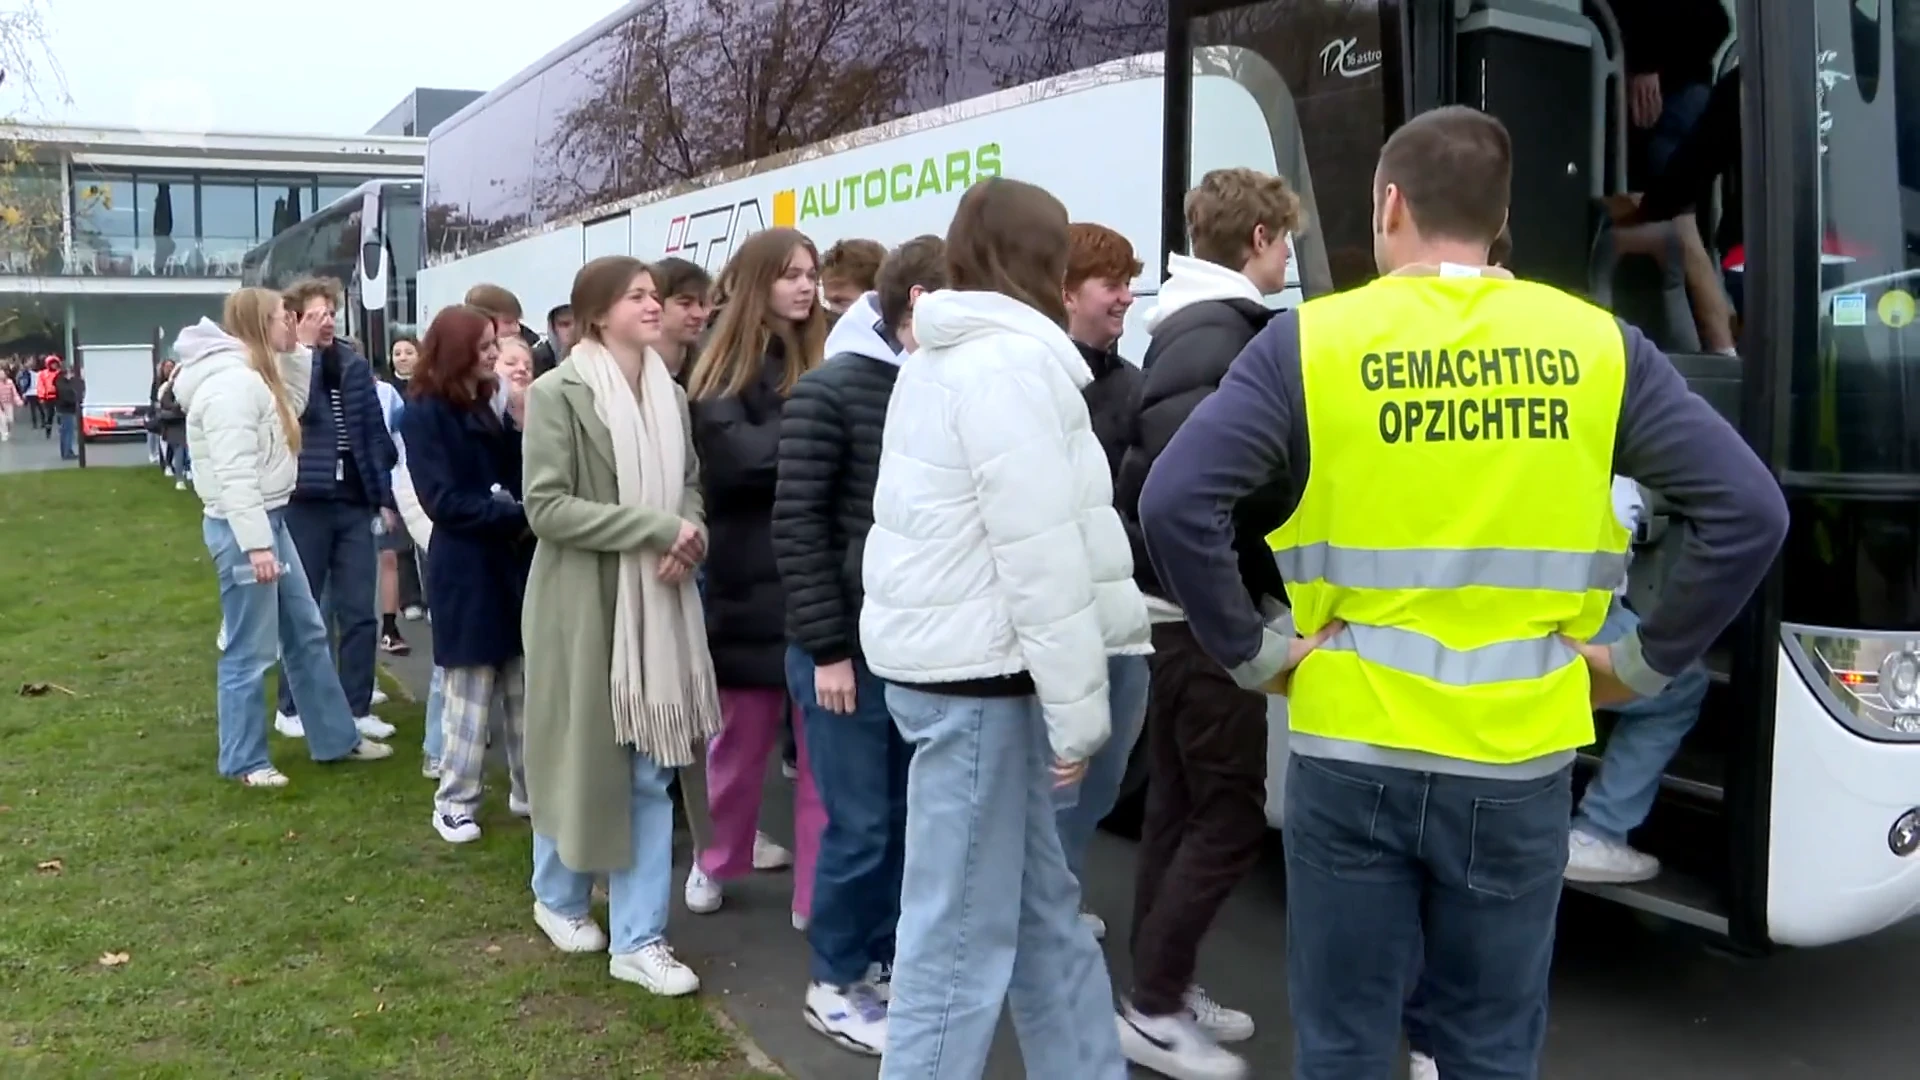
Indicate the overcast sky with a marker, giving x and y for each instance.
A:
(333, 67)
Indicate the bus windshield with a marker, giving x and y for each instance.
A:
(1856, 403)
(328, 245)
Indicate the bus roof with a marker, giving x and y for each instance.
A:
(539, 67)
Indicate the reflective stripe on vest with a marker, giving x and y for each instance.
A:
(1457, 515)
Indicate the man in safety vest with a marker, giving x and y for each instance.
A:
(1452, 435)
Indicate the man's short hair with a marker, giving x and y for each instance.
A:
(1095, 251)
(497, 302)
(920, 261)
(1228, 204)
(1454, 168)
(302, 292)
(856, 262)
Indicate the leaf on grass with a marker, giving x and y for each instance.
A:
(350, 899)
(51, 866)
(493, 948)
(291, 835)
(114, 959)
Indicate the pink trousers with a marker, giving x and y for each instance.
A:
(752, 721)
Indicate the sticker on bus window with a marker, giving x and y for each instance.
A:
(1896, 308)
(1850, 309)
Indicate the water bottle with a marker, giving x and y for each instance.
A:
(243, 575)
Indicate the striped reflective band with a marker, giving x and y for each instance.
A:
(1417, 654)
(1452, 568)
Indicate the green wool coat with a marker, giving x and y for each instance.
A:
(579, 780)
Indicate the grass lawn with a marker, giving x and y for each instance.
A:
(159, 921)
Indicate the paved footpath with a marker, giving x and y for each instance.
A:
(1632, 997)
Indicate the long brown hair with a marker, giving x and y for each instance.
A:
(249, 316)
(1011, 238)
(732, 357)
(449, 351)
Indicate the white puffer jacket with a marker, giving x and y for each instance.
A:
(995, 547)
(242, 466)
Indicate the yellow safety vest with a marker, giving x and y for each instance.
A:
(1457, 515)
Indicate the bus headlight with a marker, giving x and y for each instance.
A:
(1871, 680)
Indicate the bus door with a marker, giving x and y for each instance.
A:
(372, 275)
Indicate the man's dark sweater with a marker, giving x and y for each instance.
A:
(1667, 438)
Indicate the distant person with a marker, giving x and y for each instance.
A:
(243, 388)
(686, 309)
(345, 484)
(504, 309)
(559, 340)
(1670, 47)
(10, 400)
(847, 272)
(171, 417)
(44, 373)
(620, 685)
(69, 395)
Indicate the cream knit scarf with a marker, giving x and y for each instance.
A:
(665, 698)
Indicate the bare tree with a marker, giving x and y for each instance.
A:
(31, 199)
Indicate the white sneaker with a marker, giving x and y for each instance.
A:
(799, 922)
(578, 935)
(267, 777)
(790, 770)
(456, 828)
(1174, 1046)
(373, 727)
(284, 723)
(768, 855)
(1592, 859)
(702, 893)
(414, 613)
(1224, 1024)
(429, 768)
(368, 750)
(179, 485)
(880, 977)
(855, 1017)
(518, 806)
(655, 968)
(379, 697)
(1422, 1067)
(1094, 923)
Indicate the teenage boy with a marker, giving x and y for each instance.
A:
(848, 271)
(1207, 741)
(822, 510)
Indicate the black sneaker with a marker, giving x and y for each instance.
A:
(392, 642)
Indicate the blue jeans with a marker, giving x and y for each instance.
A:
(1646, 734)
(436, 737)
(860, 770)
(989, 913)
(265, 623)
(1390, 872)
(337, 545)
(638, 896)
(69, 435)
(1084, 806)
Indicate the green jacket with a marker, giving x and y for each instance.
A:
(579, 781)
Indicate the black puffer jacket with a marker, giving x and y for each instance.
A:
(1190, 352)
(738, 440)
(1113, 401)
(829, 462)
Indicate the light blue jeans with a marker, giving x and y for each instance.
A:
(267, 622)
(989, 912)
(1083, 806)
(638, 896)
(1646, 734)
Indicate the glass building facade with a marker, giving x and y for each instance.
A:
(179, 224)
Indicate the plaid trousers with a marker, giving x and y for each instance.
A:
(467, 696)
